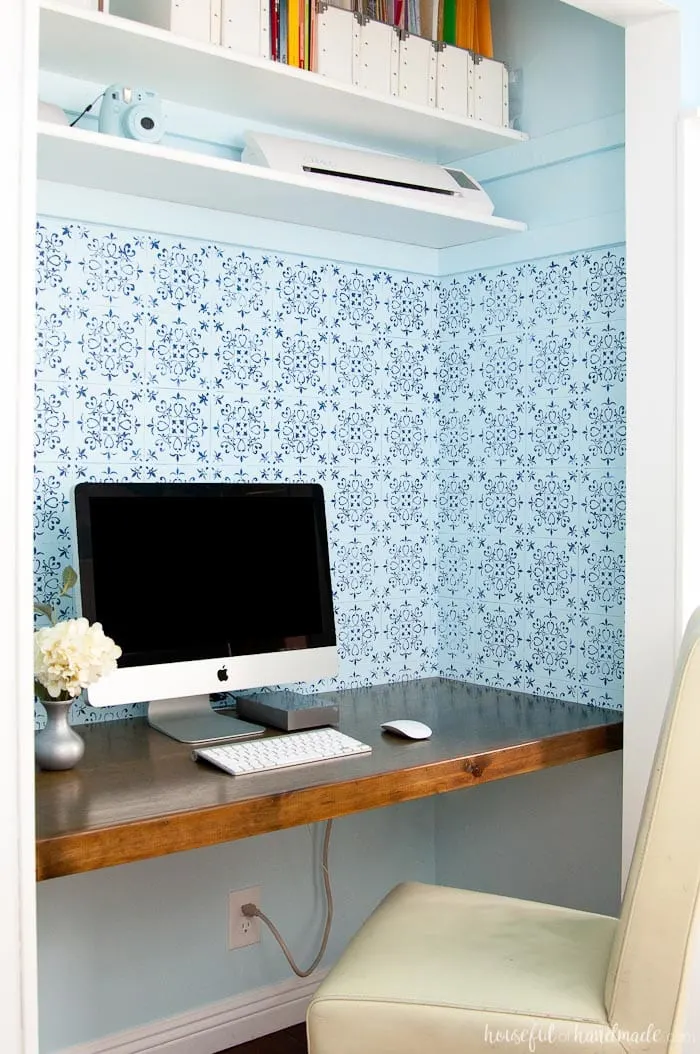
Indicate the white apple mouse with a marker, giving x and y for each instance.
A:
(408, 729)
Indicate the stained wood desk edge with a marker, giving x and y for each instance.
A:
(129, 842)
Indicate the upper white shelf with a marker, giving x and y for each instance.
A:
(105, 162)
(106, 49)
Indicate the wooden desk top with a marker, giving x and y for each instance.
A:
(137, 794)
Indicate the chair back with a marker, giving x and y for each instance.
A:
(648, 964)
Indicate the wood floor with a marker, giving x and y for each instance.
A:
(290, 1041)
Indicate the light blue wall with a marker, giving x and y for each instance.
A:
(132, 944)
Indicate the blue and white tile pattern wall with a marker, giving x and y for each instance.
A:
(531, 483)
(469, 435)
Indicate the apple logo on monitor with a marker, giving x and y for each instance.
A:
(222, 674)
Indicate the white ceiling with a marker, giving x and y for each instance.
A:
(623, 12)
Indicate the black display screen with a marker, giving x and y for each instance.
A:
(177, 572)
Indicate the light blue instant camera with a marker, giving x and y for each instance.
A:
(132, 113)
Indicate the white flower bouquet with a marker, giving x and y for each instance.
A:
(71, 654)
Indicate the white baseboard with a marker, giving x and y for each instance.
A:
(216, 1027)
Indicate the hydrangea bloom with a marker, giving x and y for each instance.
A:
(71, 655)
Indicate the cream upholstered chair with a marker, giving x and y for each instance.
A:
(448, 971)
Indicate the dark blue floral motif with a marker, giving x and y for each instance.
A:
(240, 429)
(241, 285)
(501, 503)
(603, 652)
(356, 364)
(406, 629)
(606, 432)
(604, 505)
(51, 342)
(407, 369)
(407, 306)
(456, 630)
(110, 347)
(502, 436)
(406, 436)
(355, 502)
(179, 275)
(553, 434)
(354, 569)
(240, 357)
(605, 284)
(111, 269)
(51, 259)
(355, 434)
(455, 500)
(551, 363)
(455, 307)
(552, 573)
(178, 425)
(499, 633)
(605, 355)
(300, 291)
(406, 566)
(300, 431)
(604, 578)
(177, 353)
(499, 570)
(456, 439)
(501, 301)
(357, 634)
(502, 364)
(455, 370)
(300, 360)
(553, 293)
(550, 644)
(405, 499)
(109, 422)
(357, 300)
(552, 504)
(50, 503)
(454, 568)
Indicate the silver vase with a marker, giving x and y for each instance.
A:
(57, 745)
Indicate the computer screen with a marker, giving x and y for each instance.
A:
(206, 587)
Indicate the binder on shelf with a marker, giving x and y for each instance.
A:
(185, 18)
(245, 27)
(375, 56)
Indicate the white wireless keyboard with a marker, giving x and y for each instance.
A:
(281, 752)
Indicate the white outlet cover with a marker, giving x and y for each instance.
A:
(242, 931)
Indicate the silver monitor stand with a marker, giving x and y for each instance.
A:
(191, 719)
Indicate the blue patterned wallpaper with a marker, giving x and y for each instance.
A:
(531, 483)
(469, 435)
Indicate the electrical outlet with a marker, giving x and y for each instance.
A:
(241, 929)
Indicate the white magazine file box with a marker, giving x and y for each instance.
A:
(334, 42)
(375, 56)
(245, 27)
(490, 92)
(469, 85)
(417, 70)
(453, 66)
(186, 18)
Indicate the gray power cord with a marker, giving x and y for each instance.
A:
(253, 911)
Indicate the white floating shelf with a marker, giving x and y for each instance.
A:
(106, 49)
(89, 159)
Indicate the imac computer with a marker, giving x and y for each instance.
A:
(206, 588)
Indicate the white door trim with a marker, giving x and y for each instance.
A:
(18, 43)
